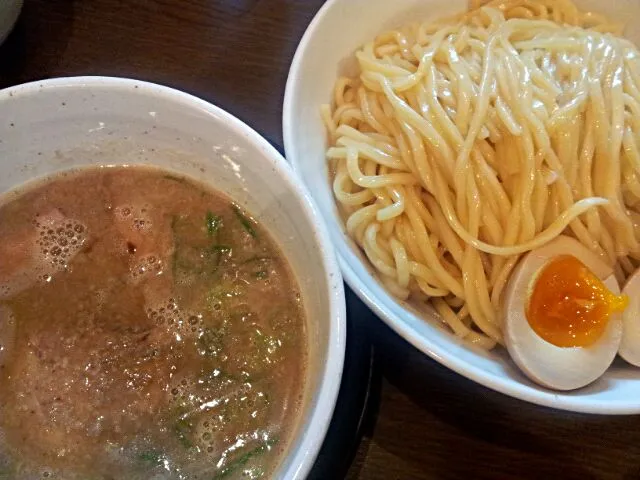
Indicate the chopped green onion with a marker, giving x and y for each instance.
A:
(152, 456)
(174, 255)
(183, 429)
(245, 221)
(220, 249)
(174, 178)
(211, 341)
(215, 253)
(213, 223)
(255, 258)
(244, 459)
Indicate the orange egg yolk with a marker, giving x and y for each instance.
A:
(569, 305)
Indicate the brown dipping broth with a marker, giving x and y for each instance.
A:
(149, 328)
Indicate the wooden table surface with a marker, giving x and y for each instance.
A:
(425, 422)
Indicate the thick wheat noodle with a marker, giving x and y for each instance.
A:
(465, 143)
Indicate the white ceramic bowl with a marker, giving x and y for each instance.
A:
(9, 12)
(68, 122)
(326, 51)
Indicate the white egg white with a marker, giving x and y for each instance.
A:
(559, 368)
(630, 345)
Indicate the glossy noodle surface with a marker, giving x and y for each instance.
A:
(466, 142)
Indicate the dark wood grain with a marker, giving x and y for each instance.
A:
(426, 422)
(433, 424)
(234, 53)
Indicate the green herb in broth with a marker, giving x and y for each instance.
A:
(257, 267)
(175, 256)
(216, 253)
(175, 178)
(194, 253)
(211, 341)
(153, 457)
(213, 223)
(223, 293)
(243, 459)
(246, 223)
(222, 249)
(184, 431)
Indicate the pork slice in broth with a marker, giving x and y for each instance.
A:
(79, 384)
(39, 250)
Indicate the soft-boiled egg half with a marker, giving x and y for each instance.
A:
(630, 346)
(563, 316)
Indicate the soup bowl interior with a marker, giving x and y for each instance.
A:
(325, 53)
(60, 124)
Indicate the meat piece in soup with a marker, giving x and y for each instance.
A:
(149, 328)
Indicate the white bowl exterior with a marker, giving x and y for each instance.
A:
(64, 123)
(325, 52)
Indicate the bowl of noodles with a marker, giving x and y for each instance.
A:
(472, 159)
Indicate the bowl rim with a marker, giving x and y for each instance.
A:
(547, 398)
(312, 437)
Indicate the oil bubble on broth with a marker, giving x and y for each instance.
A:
(149, 329)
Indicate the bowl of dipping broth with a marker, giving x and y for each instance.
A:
(475, 165)
(170, 306)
